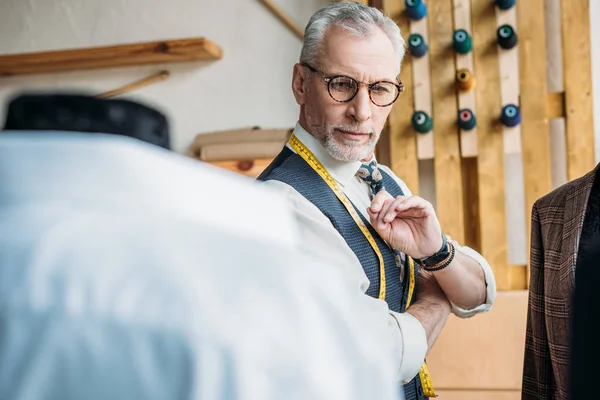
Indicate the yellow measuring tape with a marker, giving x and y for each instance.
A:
(316, 165)
(309, 157)
(424, 371)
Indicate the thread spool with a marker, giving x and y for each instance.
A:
(462, 42)
(416, 9)
(422, 122)
(416, 45)
(505, 4)
(511, 115)
(465, 80)
(466, 119)
(507, 37)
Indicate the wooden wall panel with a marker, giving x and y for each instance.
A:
(577, 72)
(251, 168)
(421, 68)
(492, 202)
(535, 135)
(471, 203)
(509, 80)
(485, 352)
(462, 20)
(401, 136)
(447, 159)
(479, 395)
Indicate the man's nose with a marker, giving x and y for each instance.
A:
(360, 105)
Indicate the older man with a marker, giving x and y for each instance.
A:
(359, 215)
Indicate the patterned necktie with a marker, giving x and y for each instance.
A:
(370, 174)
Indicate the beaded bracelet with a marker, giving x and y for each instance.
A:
(443, 264)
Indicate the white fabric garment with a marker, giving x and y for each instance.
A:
(323, 241)
(130, 272)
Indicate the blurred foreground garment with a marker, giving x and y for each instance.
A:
(131, 272)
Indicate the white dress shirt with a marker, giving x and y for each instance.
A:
(323, 241)
(130, 272)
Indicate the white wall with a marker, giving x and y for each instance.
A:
(249, 86)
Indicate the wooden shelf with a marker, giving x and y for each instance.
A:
(166, 51)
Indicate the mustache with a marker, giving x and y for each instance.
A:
(353, 128)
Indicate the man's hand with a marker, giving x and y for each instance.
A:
(408, 224)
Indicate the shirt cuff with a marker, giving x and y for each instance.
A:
(490, 282)
(414, 345)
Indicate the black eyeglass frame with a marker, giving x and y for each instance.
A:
(329, 79)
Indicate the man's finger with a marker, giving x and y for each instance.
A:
(394, 208)
(413, 202)
(387, 206)
(379, 200)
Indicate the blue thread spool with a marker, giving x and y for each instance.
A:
(511, 115)
(422, 122)
(462, 42)
(505, 4)
(416, 9)
(466, 119)
(507, 37)
(416, 45)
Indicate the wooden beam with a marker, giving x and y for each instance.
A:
(447, 159)
(462, 20)
(577, 72)
(508, 60)
(284, 17)
(519, 277)
(251, 168)
(492, 198)
(556, 105)
(110, 56)
(402, 137)
(535, 133)
(421, 75)
(470, 179)
(159, 76)
(376, 3)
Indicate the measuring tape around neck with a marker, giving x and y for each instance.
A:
(316, 165)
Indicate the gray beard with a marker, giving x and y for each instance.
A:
(344, 152)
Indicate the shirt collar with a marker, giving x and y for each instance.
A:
(342, 171)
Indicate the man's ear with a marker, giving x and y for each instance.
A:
(299, 81)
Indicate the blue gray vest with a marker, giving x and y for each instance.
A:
(290, 168)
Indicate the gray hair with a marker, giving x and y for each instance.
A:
(356, 18)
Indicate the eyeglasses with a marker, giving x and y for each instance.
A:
(344, 88)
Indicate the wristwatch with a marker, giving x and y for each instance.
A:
(439, 260)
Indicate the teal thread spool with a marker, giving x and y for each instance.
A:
(416, 45)
(507, 37)
(505, 4)
(462, 42)
(416, 9)
(422, 122)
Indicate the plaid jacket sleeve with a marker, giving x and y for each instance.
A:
(538, 378)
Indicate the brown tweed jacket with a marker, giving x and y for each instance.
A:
(556, 224)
